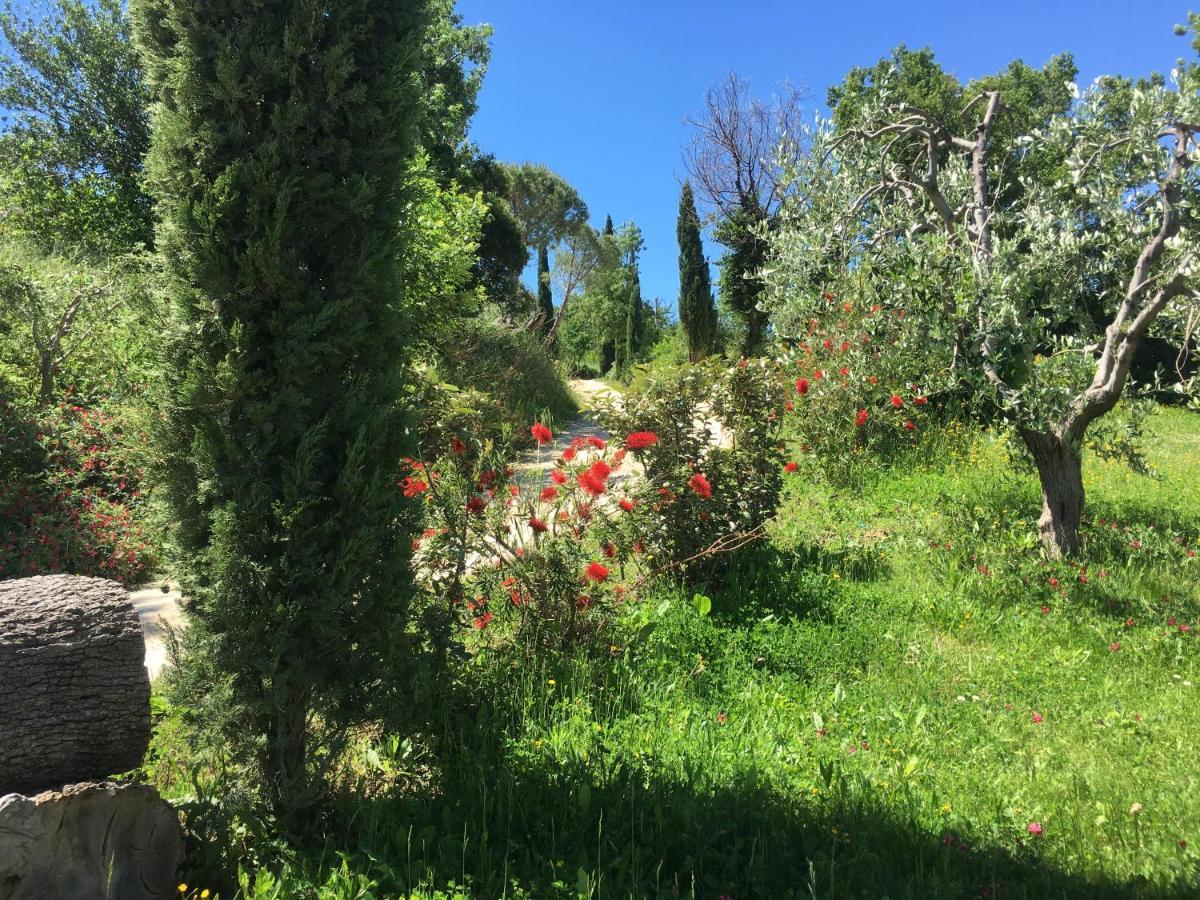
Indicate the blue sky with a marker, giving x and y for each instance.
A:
(599, 91)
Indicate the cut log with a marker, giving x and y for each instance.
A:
(74, 693)
(89, 841)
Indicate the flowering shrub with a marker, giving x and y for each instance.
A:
(80, 511)
(542, 554)
(853, 401)
(713, 470)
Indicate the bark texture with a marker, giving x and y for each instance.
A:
(89, 841)
(1060, 470)
(74, 693)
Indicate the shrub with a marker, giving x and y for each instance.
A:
(713, 472)
(75, 504)
(514, 369)
(853, 405)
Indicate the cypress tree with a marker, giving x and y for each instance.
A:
(282, 136)
(545, 298)
(608, 226)
(634, 320)
(697, 313)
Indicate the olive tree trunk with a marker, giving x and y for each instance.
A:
(1060, 470)
(74, 693)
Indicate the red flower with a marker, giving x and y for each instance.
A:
(639, 440)
(818, 375)
(596, 572)
(801, 385)
(596, 442)
(828, 344)
(558, 476)
(627, 504)
(789, 405)
(476, 505)
(700, 486)
(920, 401)
(1114, 646)
(897, 401)
(549, 492)
(861, 419)
(568, 454)
(610, 550)
(538, 525)
(1037, 718)
(414, 486)
(873, 379)
(541, 433)
(482, 622)
(790, 467)
(1035, 828)
(910, 426)
(457, 446)
(843, 371)
(600, 468)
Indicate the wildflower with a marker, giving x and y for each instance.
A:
(596, 572)
(788, 405)
(601, 468)
(1035, 828)
(828, 344)
(549, 492)
(700, 486)
(861, 419)
(801, 386)
(1045, 610)
(843, 371)
(818, 375)
(790, 466)
(897, 401)
(1037, 718)
(595, 442)
(722, 718)
(457, 446)
(541, 433)
(538, 525)
(627, 504)
(1053, 582)
(1114, 646)
(568, 454)
(513, 490)
(558, 476)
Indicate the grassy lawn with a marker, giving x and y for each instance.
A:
(883, 702)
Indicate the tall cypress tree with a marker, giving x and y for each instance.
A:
(282, 137)
(608, 226)
(634, 320)
(545, 298)
(697, 313)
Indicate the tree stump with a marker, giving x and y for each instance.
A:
(74, 693)
(89, 841)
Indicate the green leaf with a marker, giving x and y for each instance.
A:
(703, 604)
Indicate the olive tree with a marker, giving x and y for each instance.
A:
(1096, 205)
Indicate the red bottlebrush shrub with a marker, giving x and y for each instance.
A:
(713, 472)
(81, 509)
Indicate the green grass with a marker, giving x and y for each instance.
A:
(854, 718)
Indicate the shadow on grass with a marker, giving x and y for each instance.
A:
(629, 829)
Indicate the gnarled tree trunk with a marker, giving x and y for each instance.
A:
(1060, 470)
(74, 693)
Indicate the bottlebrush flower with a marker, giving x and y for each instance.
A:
(897, 401)
(476, 505)
(610, 550)
(541, 433)
(910, 426)
(568, 454)
(549, 492)
(639, 440)
(801, 386)
(413, 486)
(627, 504)
(861, 419)
(920, 401)
(596, 442)
(789, 466)
(1035, 828)
(558, 476)
(596, 572)
(482, 622)
(538, 525)
(700, 486)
